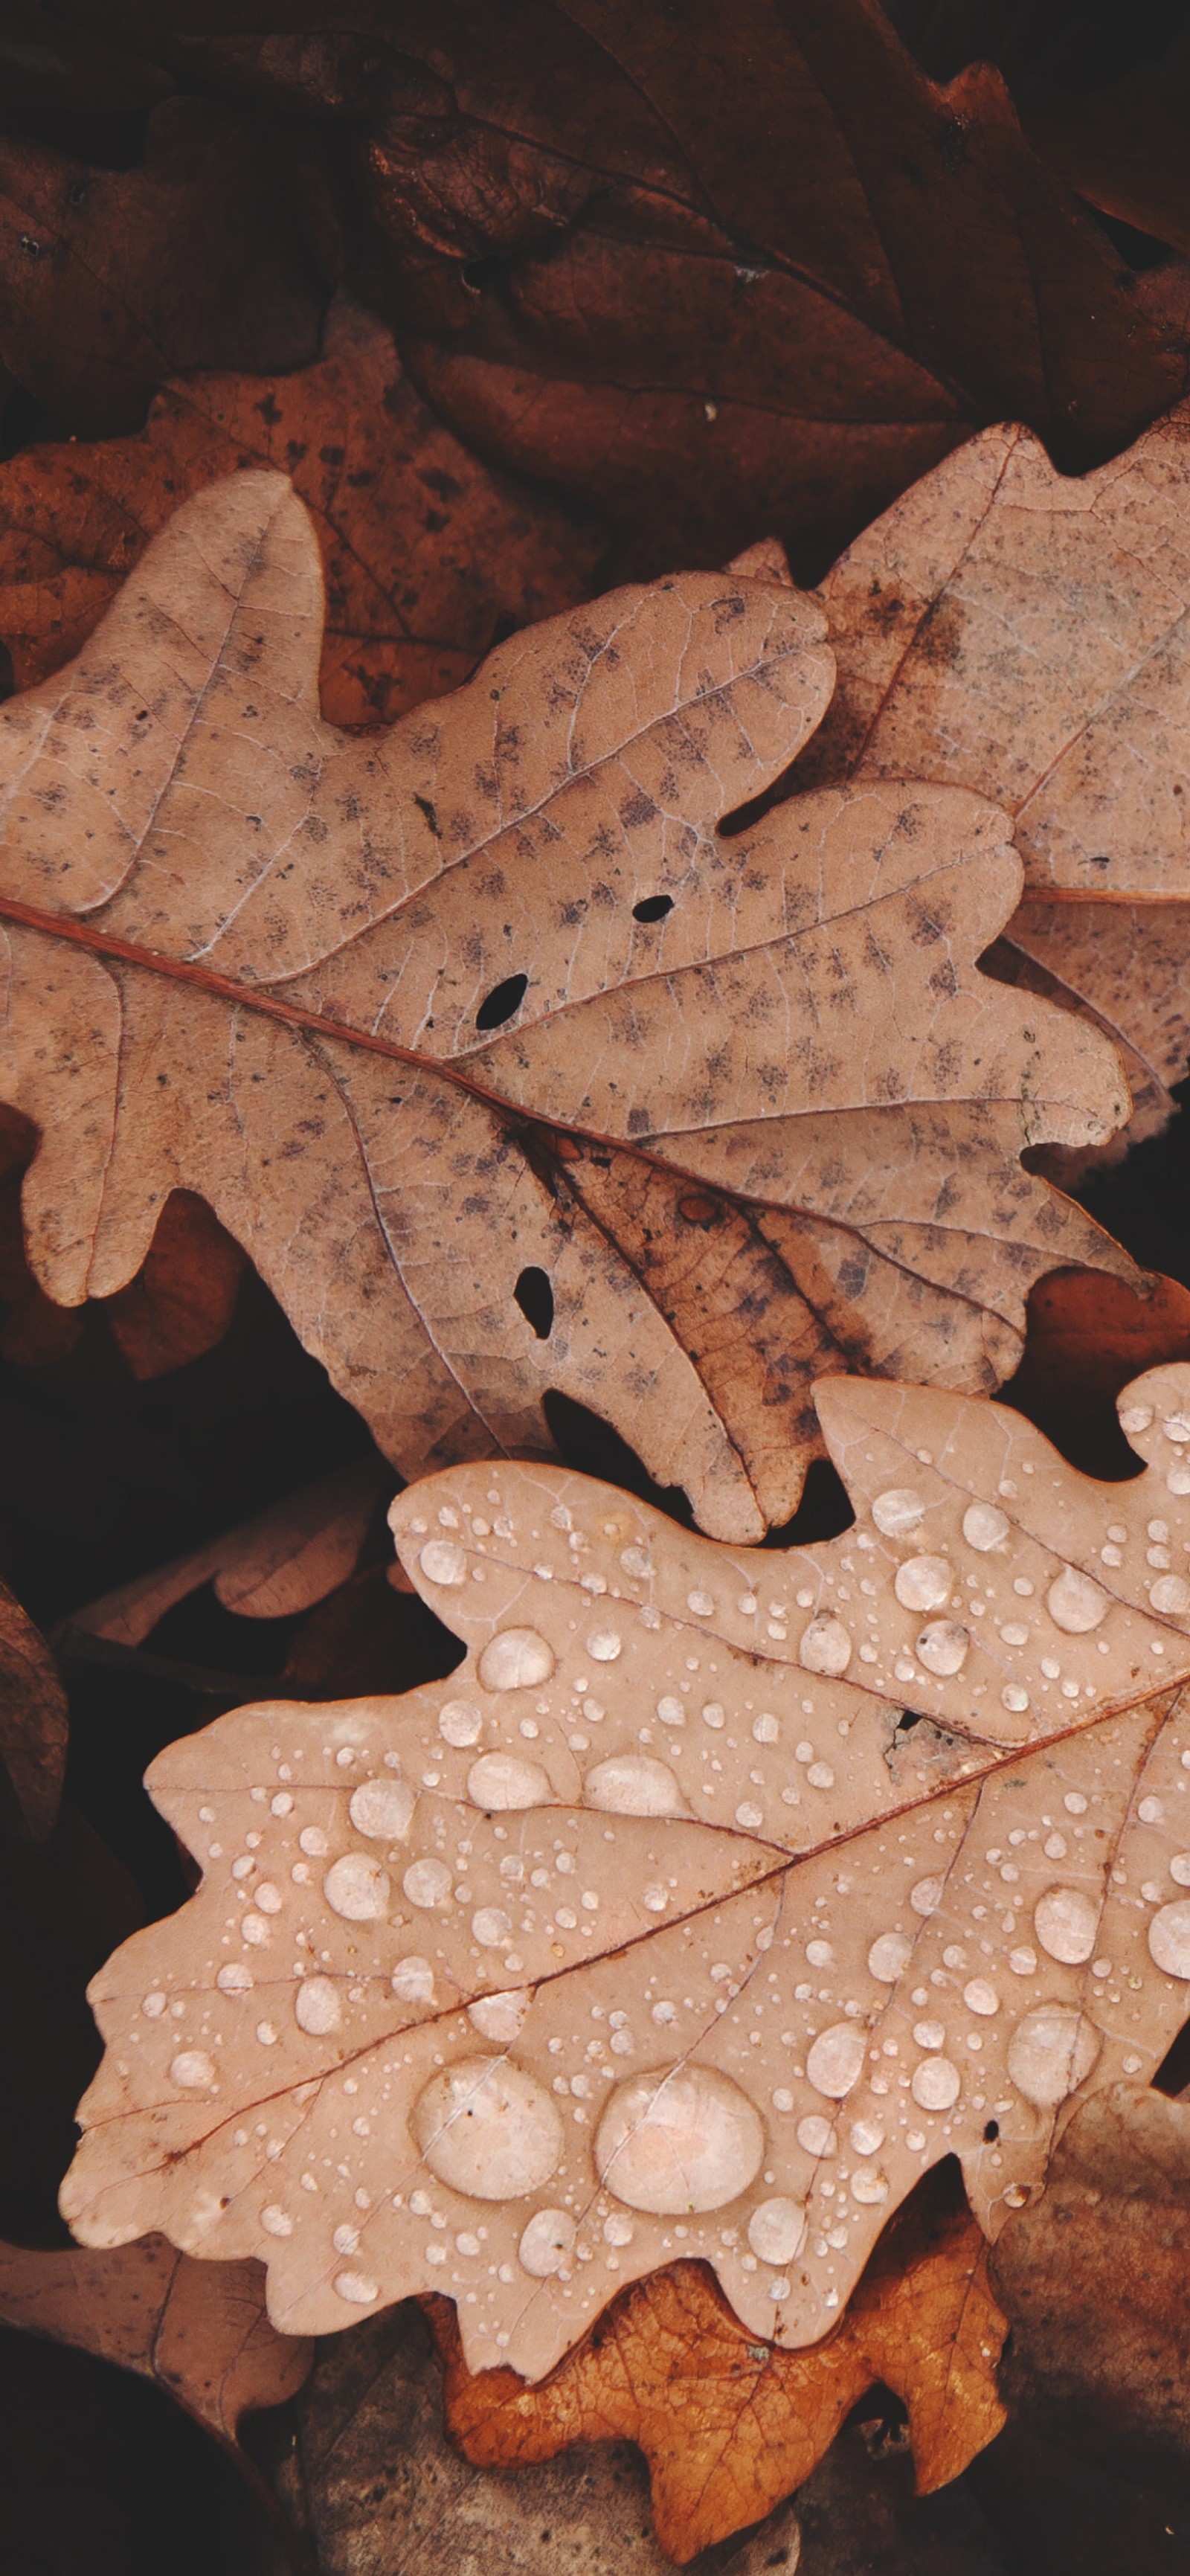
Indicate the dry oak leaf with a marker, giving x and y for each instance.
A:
(199, 2329)
(730, 2426)
(1013, 631)
(425, 551)
(656, 1931)
(481, 1020)
(756, 275)
(34, 1726)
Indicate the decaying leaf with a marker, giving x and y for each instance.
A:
(510, 1073)
(425, 551)
(729, 2426)
(661, 1930)
(111, 280)
(33, 1725)
(199, 2329)
(1009, 630)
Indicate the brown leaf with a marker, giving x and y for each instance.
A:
(729, 2426)
(638, 1146)
(659, 1930)
(1122, 143)
(1088, 1335)
(199, 2329)
(718, 303)
(426, 552)
(183, 1296)
(942, 616)
(34, 1724)
(111, 280)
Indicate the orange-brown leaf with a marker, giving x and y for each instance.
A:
(183, 1297)
(730, 2425)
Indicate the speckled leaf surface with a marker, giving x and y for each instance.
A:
(656, 1931)
(1022, 633)
(489, 999)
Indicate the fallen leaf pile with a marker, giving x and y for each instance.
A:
(594, 932)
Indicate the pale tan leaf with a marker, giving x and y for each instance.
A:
(201, 2330)
(488, 1000)
(657, 1930)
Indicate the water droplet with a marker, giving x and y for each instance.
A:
(617, 2229)
(382, 1809)
(825, 1647)
(670, 1711)
(684, 2139)
(487, 2128)
(459, 1723)
(1170, 1595)
(154, 2004)
(1023, 1963)
(700, 1603)
(898, 1512)
(275, 2220)
(1067, 1924)
(636, 1562)
(835, 2060)
(776, 2230)
(926, 1897)
(984, 1526)
(412, 1980)
(923, 1582)
(1014, 1698)
(1179, 1868)
(819, 1954)
(516, 1659)
(942, 1647)
(633, 1784)
(313, 1840)
(1135, 1417)
(1169, 1938)
(500, 2017)
(1076, 1603)
(490, 1926)
(1050, 2054)
(869, 2186)
(766, 1728)
(604, 1645)
(816, 2135)
(980, 1997)
(929, 2034)
(714, 1714)
(937, 2083)
(356, 2288)
(233, 1979)
(192, 2069)
(820, 1776)
(866, 2137)
(316, 2006)
(501, 1781)
(1150, 1811)
(442, 1562)
(547, 2243)
(427, 1882)
(888, 1957)
(357, 1888)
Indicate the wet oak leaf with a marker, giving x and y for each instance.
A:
(1022, 634)
(426, 552)
(507, 1070)
(200, 2330)
(713, 1900)
(730, 2426)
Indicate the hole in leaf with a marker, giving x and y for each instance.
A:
(535, 1297)
(652, 907)
(501, 1002)
(991, 2131)
(1173, 2074)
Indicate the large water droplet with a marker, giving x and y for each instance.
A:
(936, 2084)
(1067, 1924)
(316, 2006)
(633, 1784)
(487, 2128)
(889, 1955)
(357, 1888)
(684, 2139)
(427, 1882)
(516, 1659)
(776, 2230)
(1050, 2054)
(923, 1582)
(192, 2069)
(501, 1781)
(459, 1723)
(442, 1562)
(898, 1512)
(984, 1526)
(1075, 1603)
(942, 1647)
(825, 1647)
(1169, 1938)
(836, 2059)
(382, 1809)
(547, 2243)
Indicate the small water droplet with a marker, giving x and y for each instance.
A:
(984, 1526)
(776, 2230)
(888, 1957)
(442, 1562)
(683, 2139)
(382, 1809)
(700, 1603)
(1067, 1924)
(459, 1723)
(1170, 1595)
(515, 1659)
(923, 1582)
(316, 2006)
(275, 2220)
(825, 1647)
(816, 2135)
(1076, 1603)
(313, 1840)
(604, 1645)
(936, 2084)
(1179, 1868)
(427, 1882)
(192, 2069)
(490, 1926)
(357, 1888)
(1169, 1938)
(501, 2017)
(547, 2243)
(618, 2229)
(866, 2137)
(898, 1512)
(356, 2287)
(502, 1782)
(234, 1979)
(154, 2004)
(926, 1897)
(942, 1647)
(1050, 2054)
(835, 2060)
(869, 2186)
(488, 2128)
(633, 1784)
(980, 1997)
